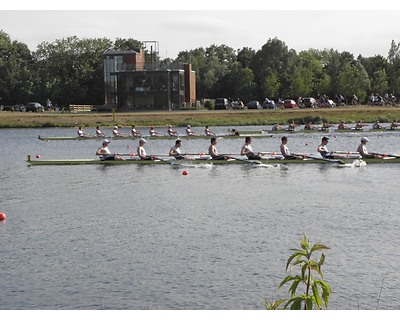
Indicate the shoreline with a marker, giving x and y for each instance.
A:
(198, 117)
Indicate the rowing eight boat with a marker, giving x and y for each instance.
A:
(202, 160)
(240, 135)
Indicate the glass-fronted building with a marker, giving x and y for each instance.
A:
(130, 84)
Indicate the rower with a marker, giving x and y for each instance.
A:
(247, 150)
(105, 153)
(171, 132)
(141, 152)
(153, 132)
(285, 150)
(276, 127)
(323, 150)
(292, 126)
(190, 132)
(82, 134)
(208, 132)
(309, 126)
(377, 125)
(99, 133)
(394, 125)
(135, 132)
(359, 125)
(116, 133)
(342, 126)
(175, 151)
(213, 152)
(362, 149)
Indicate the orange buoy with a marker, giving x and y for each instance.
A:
(185, 173)
(2, 216)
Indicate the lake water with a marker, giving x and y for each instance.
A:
(148, 237)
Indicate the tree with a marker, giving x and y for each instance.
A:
(394, 67)
(238, 82)
(15, 68)
(379, 83)
(276, 61)
(245, 56)
(70, 70)
(353, 79)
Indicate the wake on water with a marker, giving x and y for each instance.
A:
(355, 164)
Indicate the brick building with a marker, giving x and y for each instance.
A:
(132, 84)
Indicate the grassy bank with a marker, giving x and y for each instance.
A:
(198, 117)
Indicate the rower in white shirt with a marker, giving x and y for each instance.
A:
(141, 152)
(208, 132)
(104, 152)
(135, 132)
(285, 150)
(175, 151)
(153, 132)
(247, 150)
(82, 134)
(116, 133)
(99, 133)
(190, 132)
(171, 132)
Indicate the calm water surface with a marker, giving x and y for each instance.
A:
(139, 237)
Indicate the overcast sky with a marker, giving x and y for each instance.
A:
(343, 28)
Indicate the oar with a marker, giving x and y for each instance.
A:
(245, 160)
(385, 155)
(345, 152)
(322, 159)
(268, 152)
(126, 154)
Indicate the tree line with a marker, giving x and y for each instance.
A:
(70, 71)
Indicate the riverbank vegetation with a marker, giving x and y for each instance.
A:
(199, 117)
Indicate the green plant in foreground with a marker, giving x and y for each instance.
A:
(317, 291)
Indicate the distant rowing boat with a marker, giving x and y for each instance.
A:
(316, 130)
(228, 136)
(205, 160)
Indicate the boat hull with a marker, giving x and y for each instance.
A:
(272, 161)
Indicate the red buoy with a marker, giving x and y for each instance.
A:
(185, 173)
(37, 156)
(2, 216)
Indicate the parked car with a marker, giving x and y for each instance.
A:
(34, 107)
(309, 102)
(269, 104)
(290, 104)
(221, 104)
(254, 105)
